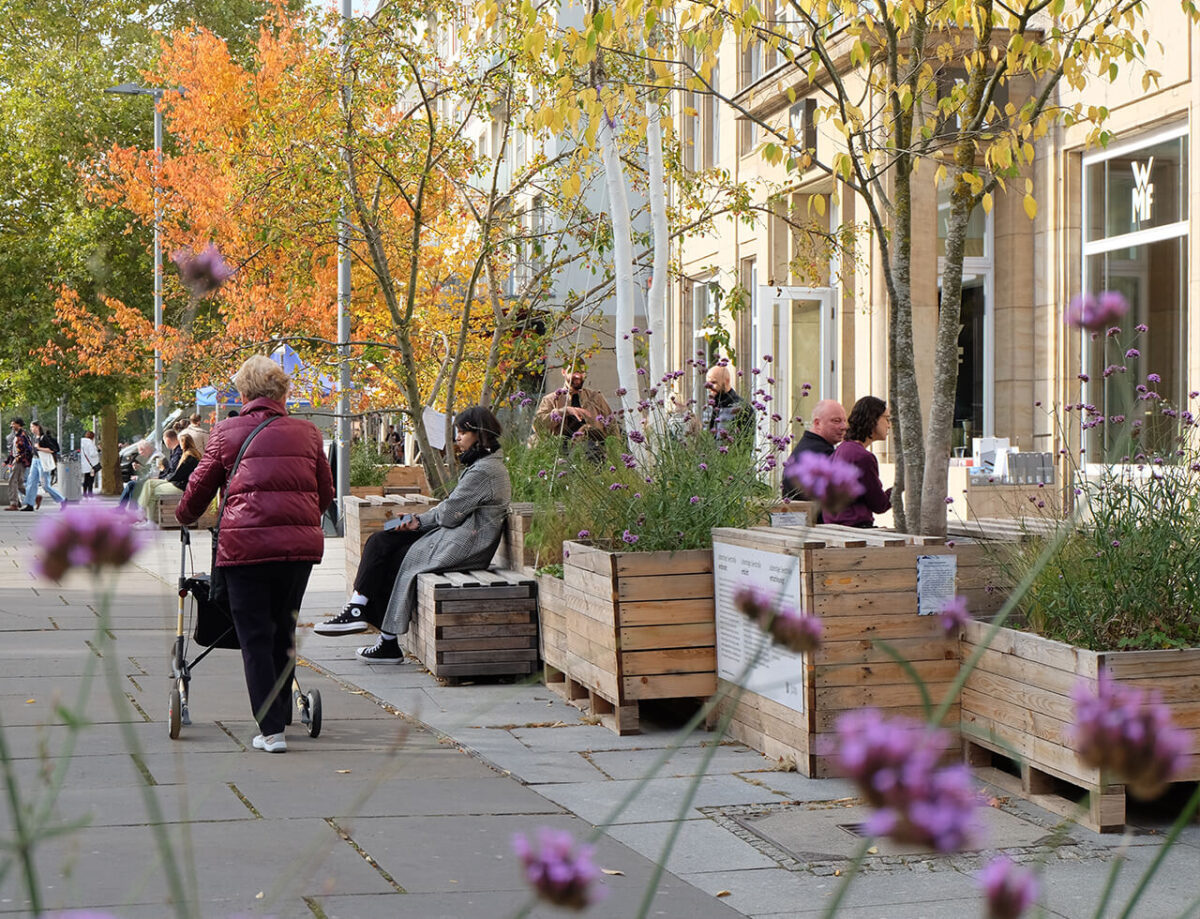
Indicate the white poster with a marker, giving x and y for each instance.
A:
(936, 576)
(745, 654)
(435, 427)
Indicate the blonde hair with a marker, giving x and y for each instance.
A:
(188, 442)
(260, 377)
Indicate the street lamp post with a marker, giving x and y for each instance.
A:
(133, 89)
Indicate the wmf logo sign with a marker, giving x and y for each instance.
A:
(1143, 191)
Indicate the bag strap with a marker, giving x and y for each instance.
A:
(237, 462)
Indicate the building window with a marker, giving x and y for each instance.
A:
(1135, 220)
(976, 376)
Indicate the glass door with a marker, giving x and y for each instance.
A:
(795, 328)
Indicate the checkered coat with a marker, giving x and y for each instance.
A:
(459, 534)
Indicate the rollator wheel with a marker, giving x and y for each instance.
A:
(314, 713)
(175, 713)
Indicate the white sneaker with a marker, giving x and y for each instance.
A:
(271, 743)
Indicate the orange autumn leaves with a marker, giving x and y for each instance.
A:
(253, 164)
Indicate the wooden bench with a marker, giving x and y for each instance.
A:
(475, 623)
(163, 513)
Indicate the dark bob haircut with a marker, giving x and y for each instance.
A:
(479, 420)
(863, 417)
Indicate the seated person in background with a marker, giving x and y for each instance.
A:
(824, 433)
(198, 431)
(176, 483)
(575, 411)
(727, 416)
(459, 534)
(869, 421)
(131, 471)
(173, 451)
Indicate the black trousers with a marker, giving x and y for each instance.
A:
(381, 559)
(89, 479)
(265, 601)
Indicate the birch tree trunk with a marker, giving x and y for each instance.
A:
(656, 299)
(622, 229)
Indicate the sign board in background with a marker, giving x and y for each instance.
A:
(936, 576)
(745, 654)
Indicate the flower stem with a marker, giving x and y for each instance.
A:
(1185, 816)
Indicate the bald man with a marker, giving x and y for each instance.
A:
(727, 416)
(825, 432)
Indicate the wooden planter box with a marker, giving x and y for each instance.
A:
(623, 627)
(863, 584)
(513, 552)
(1016, 705)
(407, 476)
(365, 516)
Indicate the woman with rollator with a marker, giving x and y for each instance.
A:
(458, 534)
(270, 531)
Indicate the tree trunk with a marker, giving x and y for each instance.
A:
(656, 299)
(902, 384)
(110, 462)
(622, 227)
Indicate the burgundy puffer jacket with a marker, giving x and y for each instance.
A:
(273, 506)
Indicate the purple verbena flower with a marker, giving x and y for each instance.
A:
(1153, 378)
(560, 871)
(1094, 313)
(637, 437)
(1127, 731)
(628, 537)
(85, 536)
(795, 631)
(833, 482)
(955, 614)
(1133, 353)
(1008, 888)
(694, 499)
(202, 272)
(583, 534)
(895, 764)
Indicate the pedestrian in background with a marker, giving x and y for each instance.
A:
(89, 461)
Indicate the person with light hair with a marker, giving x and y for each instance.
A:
(270, 533)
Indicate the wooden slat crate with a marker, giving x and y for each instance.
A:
(623, 627)
(863, 586)
(365, 516)
(1016, 705)
(163, 513)
(475, 623)
(513, 552)
(409, 477)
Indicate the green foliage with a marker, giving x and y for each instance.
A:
(1128, 575)
(368, 465)
(528, 462)
(685, 483)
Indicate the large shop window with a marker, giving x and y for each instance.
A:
(1135, 241)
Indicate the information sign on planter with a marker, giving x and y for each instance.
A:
(745, 654)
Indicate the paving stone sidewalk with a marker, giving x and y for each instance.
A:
(406, 803)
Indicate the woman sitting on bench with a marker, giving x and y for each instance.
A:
(459, 534)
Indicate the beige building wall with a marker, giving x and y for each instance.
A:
(1036, 264)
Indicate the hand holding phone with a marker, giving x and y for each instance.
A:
(399, 523)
